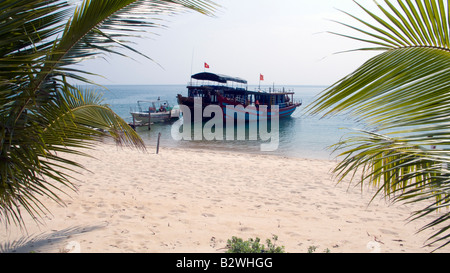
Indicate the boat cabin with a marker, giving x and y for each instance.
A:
(282, 98)
(207, 85)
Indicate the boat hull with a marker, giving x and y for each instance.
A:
(154, 112)
(190, 103)
(143, 117)
(235, 110)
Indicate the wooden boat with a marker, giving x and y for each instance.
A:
(222, 90)
(154, 111)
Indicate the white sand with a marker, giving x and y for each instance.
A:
(194, 201)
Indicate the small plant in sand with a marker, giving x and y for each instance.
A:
(238, 245)
(312, 249)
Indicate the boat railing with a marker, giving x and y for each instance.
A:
(275, 90)
(215, 84)
(151, 106)
(140, 109)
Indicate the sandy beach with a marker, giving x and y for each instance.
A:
(195, 200)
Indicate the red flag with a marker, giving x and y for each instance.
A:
(261, 77)
(206, 65)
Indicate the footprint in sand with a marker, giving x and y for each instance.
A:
(212, 242)
(102, 215)
(208, 215)
(246, 229)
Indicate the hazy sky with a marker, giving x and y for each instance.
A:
(285, 40)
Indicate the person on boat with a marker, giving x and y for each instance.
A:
(208, 97)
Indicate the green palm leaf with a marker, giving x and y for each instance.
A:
(398, 88)
(43, 117)
(97, 27)
(404, 95)
(80, 116)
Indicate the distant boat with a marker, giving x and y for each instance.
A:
(222, 90)
(154, 112)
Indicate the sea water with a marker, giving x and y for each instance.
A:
(301, 135)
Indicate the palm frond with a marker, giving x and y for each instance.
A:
(105, 26)
(407, 24)
(399, 88)
(34, 163)
(43, 117)
(28, 23)
(79, 115)
(403, 172)
(404, 94)
(95, 27)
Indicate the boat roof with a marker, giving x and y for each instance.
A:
(207, 76)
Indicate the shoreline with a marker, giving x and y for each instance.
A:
(325, 154)
(193, 201)
(225, 151)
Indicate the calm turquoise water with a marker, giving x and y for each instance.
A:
(300, 136)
